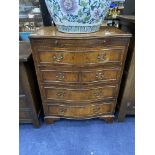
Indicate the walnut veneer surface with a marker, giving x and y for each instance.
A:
(79, 74)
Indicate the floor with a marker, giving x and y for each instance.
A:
(68, 137)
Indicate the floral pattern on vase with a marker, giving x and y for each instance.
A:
(78, 16)
(68, 6)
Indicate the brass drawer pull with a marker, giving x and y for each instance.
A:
(58, 57)
(101, 56)
(98, 93)
(60, 76)
(61, 94)
(99, 76)
(96, 109)
(62, 110)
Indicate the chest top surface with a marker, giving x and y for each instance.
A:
(104, 32)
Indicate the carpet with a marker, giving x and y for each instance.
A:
(70, 137)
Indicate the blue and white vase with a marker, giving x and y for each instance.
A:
(78, 16)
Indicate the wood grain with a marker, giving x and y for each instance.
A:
(126, 98)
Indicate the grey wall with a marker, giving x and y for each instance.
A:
(129, 7)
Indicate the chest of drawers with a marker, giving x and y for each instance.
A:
(79, 74)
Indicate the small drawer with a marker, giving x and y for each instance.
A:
(25, 115)
(51, 43)
(81, 111)
(80, 95)
(100, 75)
(81, 57)
(59, 76)
(22, 102)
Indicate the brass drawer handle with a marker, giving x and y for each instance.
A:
(96, 109)
(98, 93)
(58, 57)
(60, 76)
(61, 94)
(99, 76)
(101, 56)
(62, 110)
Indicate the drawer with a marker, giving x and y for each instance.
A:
(25, 115)
(81, 111)
(82, 76)
(60, 76)
(78, 43)
(82, 57)
(23, 102)
(80, 95)
(100, 75)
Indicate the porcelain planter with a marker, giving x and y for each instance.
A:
(78, 16)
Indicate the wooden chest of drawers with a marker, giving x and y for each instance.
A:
(29, 96)
(79, 74)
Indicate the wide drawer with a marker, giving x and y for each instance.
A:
(81, 111)
(82, 76)
(80, 94)
(82, 57)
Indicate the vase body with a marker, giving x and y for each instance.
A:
(78, 16)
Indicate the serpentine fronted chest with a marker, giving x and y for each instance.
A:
(79, 74)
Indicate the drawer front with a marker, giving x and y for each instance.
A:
(100, 75)
(22, 102)
(81, 111)
(72, 43)
(48, 75)
(80, 95)
(83, 76)
(83, 57)
(25, 115)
